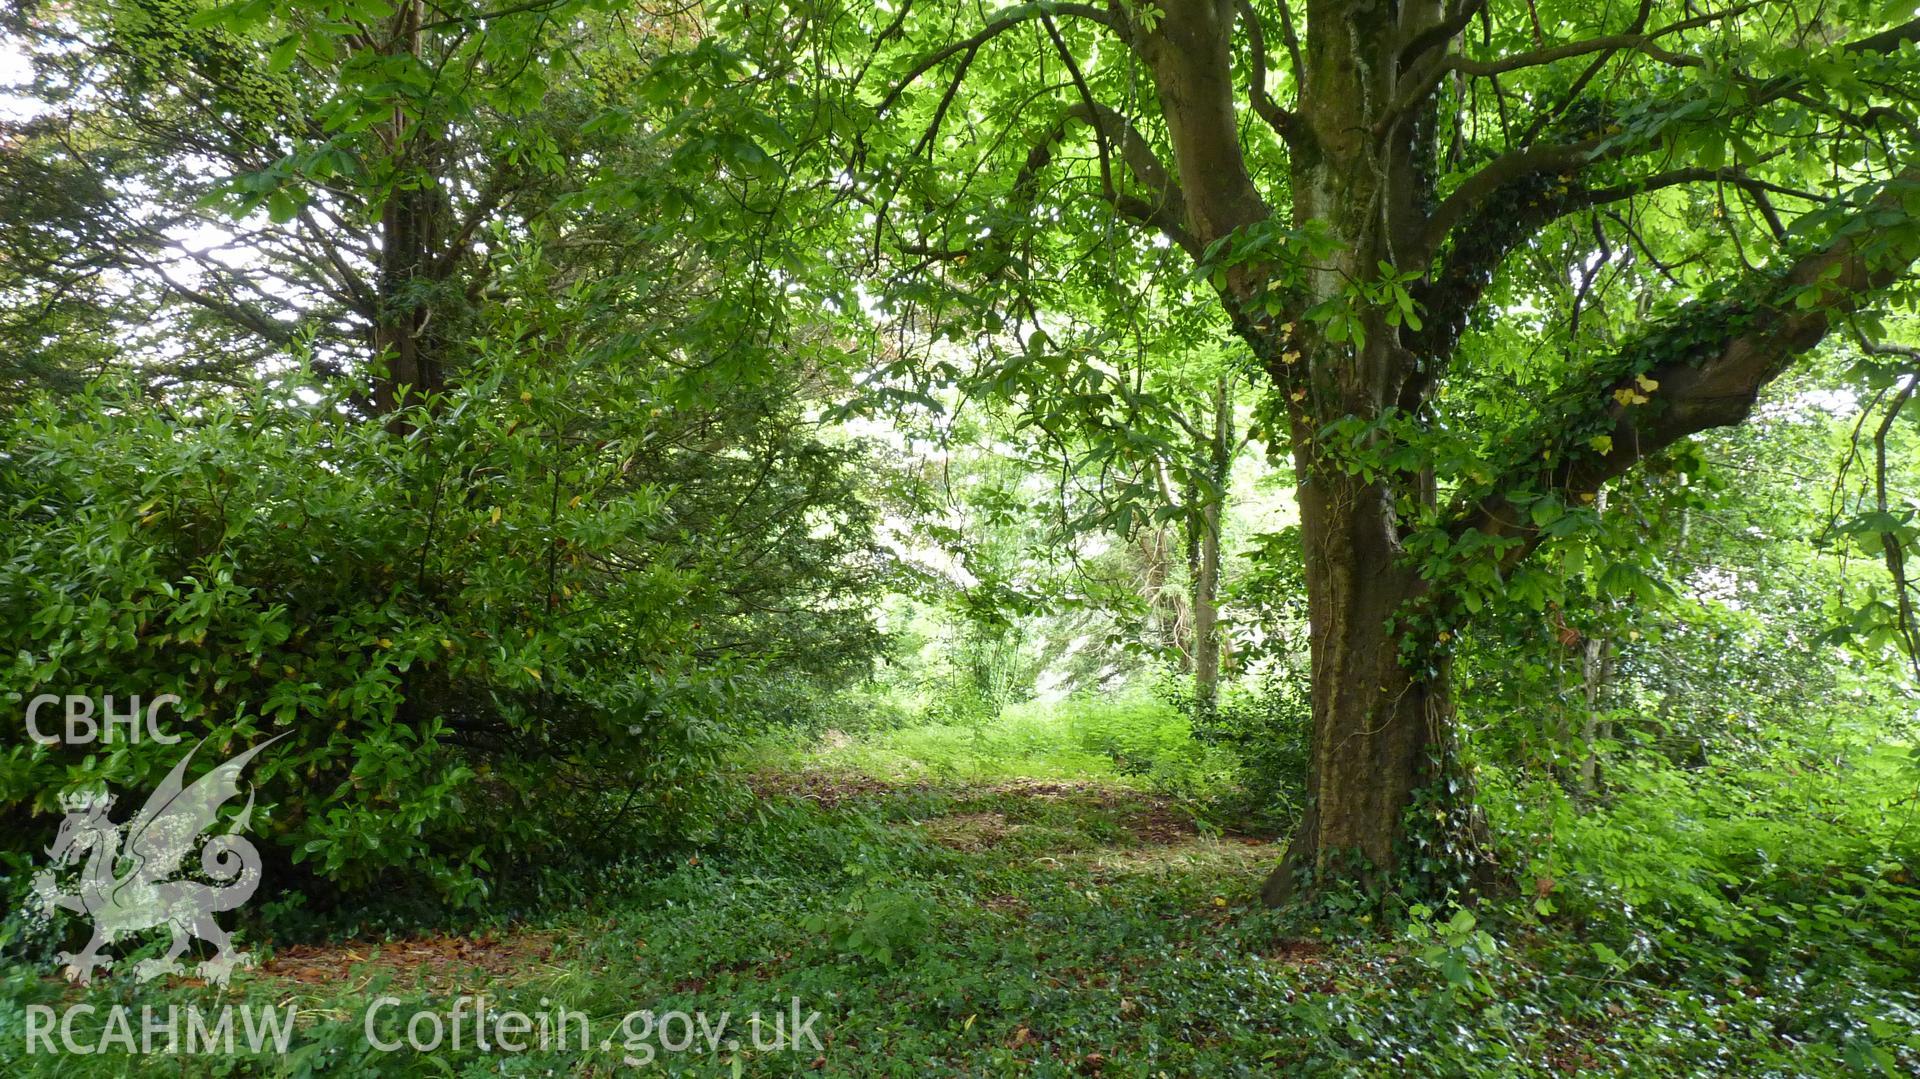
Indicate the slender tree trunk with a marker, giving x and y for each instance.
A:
(1596, 664)
(1206, 610)
(1206, 575)
(1594, 668)
(1166, 619)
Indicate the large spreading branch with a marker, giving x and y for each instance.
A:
(1527, 162)
(1712, 361)
(1508, 200)
(1489, 235)
(1426, 75)
(1190, 54)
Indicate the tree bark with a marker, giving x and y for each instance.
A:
(413, 226)
(1206, 576)
(1594, 668)
(1366, 176)
(1166, 620)
(1379, 731)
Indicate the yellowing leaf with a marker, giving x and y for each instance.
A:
(494, 517)
(1647, 384)
(1601, 443)
(534, 671)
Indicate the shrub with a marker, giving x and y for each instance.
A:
(497, 643)
(1796, 861)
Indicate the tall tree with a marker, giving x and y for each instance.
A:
(246, 182)
(1362, 183)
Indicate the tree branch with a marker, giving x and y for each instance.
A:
(1889, 39)
(1167, 212)
(1710, 363)
(1437, 35)
(1632, 39)
(1501, 172)
(1007, 20)
(1571, 157)
(1422, 79)
(1284, 122)
(1511, 197)
(1547, 116)
(1087, 101)
(1891, 547)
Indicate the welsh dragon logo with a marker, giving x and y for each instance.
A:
(129, 880)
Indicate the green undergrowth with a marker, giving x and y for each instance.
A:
(1051, 928)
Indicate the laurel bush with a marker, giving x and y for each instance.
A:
(503, 635)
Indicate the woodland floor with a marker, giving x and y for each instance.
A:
(1034, 927)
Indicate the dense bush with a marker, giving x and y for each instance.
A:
(1787, 877)
(513, 635)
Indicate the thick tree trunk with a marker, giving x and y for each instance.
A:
(1361, 170)
(1377, 728)
(403, 338)
(1380, 730)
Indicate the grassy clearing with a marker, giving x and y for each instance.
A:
(1137, 740)
(948, 753)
